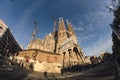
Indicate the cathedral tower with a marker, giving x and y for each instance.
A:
(71, 32)
(62, 36)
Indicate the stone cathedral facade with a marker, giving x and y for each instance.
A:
(58, 50)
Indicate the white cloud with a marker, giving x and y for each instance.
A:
(84, 38)
(103, 44)
(78, 28)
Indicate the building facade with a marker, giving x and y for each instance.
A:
(87, 59)
(62, 42)
(8, 44)
(42, 60)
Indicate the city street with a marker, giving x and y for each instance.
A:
(102, 72)
(10, 75)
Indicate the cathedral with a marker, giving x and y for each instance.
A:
(58, 50)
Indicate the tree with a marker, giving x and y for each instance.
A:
(116, 36)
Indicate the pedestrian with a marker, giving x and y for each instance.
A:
(31, 66)
(27, 63)
(61, 72)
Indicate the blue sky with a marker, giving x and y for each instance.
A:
(90, 19)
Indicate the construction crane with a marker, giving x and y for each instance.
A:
(55, 23)
(34, 32)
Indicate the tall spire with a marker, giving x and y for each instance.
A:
(67, 22)
(62, 36)
(61, 25)
(70, 28)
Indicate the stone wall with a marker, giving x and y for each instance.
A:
(42, 61)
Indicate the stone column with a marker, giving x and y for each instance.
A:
(62, 69)
(69, 50)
